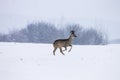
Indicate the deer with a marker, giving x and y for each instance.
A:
(59, 43)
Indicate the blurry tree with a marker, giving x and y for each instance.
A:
(42, 32)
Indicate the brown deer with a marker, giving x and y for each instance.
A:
(64, 43)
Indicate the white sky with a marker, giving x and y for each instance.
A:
(16, 14)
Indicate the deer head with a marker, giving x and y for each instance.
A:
(73, 33)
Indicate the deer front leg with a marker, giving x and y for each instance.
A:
(70, 48)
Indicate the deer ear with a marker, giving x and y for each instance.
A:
(72, 31)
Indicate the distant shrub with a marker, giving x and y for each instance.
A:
(46, 33)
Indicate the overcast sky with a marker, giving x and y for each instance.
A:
(16, 14)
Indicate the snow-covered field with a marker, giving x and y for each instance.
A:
(27, 61)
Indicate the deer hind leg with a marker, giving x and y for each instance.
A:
(70, 48)
(61, 51)
(65, 48)
(54, 50)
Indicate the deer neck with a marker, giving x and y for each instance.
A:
(70, 38)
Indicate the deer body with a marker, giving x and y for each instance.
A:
(63, 43)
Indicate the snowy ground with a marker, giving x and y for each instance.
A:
(27, 61)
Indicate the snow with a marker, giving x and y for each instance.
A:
(27, 61)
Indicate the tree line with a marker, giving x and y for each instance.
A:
(42, 32)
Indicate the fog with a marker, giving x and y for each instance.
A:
(104, 14)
